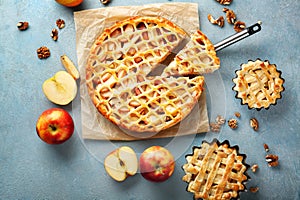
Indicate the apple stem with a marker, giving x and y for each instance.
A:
(52, 127)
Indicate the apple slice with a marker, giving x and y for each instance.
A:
(121, 163)
(60, 89)
(69, 66)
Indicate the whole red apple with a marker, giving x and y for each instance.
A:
(69, 3)
(55, 126)
(156, 164)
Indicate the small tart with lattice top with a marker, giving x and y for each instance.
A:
(258, 84)
(197, 57)
(215, 171)
(117, 76)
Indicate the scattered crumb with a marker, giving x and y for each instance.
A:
(237, 114)
(254, 189)
(266, 147)
(254, 168)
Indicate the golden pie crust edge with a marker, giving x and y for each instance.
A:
(279, 91)
(241, 156)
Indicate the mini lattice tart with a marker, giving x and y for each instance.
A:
(197, 57)
(117, 76)
(215, 171)
(258, 84)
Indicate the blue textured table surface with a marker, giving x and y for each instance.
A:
(31, 169)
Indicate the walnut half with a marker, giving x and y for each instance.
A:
(272, 160)
(60, 23)
(22, 26)
(104, 1)
(254, 124)
(43, 52)
(224, 2)
(239, 26)
(219, 21)
(230, 15)
(232, 123)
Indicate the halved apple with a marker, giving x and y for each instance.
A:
(60, 89)
(121, 163)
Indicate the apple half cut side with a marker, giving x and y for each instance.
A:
(121, 163)
(60, 89)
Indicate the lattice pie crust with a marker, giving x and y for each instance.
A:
(258, 84)
(215, 171)
(117, 75)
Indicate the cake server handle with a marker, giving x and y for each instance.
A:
(238, 36)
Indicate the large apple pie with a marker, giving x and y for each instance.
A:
(215, 171)
(258, 84)
(118, 80)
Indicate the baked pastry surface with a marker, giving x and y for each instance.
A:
(215, 171)
(258, 84)
(117, 76)
(197, 57)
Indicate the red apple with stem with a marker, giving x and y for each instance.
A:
(55, 126)
(156, 164)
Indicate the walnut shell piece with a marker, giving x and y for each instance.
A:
(266, 147)
(254, 124)
(232, 123)
(254, 189)
(239, 26)
(224, 2)
(254, 168)
(60, 23)
(219, 21)
(230, 15)
(54, 34)
(104, 1)
(237, 114)
(272, 160)
(22, 26)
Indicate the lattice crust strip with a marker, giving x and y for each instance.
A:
(258, 84)
(149, 103)
(197, 57)
(214, 172)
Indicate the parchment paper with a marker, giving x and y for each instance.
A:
(89, 24)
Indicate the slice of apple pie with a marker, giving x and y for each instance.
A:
(197, 57)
